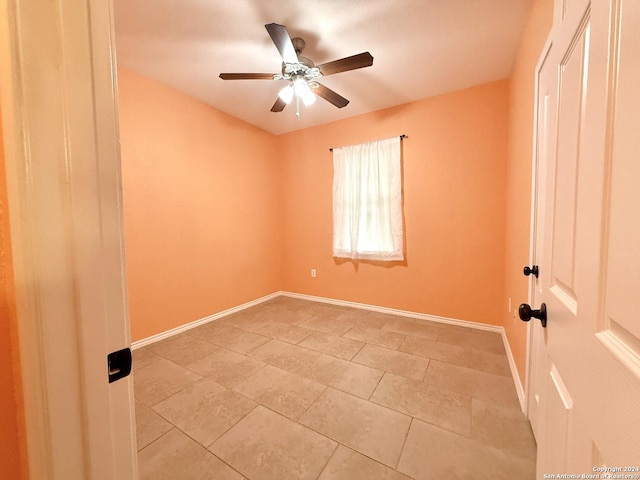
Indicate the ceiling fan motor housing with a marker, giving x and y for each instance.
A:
(305, 68)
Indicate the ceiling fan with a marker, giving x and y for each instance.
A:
(301, 73)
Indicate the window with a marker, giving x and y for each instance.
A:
(367, 201)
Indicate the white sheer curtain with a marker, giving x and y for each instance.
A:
(367, 201)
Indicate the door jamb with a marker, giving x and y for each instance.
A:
(533, 227)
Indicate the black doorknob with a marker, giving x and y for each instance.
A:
(533, 270)
(526, 313)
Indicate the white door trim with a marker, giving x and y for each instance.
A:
(533, 227)
(58, 98)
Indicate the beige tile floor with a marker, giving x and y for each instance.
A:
(292, 389)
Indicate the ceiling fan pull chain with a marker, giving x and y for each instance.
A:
(297, 107)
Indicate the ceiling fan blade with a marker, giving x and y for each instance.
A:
(282, 41)
(246, 76)
(279, 105)
(330, 96)
(345, 64)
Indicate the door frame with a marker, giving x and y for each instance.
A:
(59, 107)
(536, 178)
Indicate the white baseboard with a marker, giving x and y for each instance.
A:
(202, 321)
(514, 373)
(394, 311)
(363, 306)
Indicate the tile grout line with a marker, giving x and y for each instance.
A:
(424, 375)
(236, 423)
(297, 420)
(364, 344)
(173, 427)
(376, 387)
(221, 459)
(404, 444)
(184, 366)
(328, 459)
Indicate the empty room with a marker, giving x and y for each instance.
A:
(320, 240)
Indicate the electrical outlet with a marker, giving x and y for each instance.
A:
(314, 273)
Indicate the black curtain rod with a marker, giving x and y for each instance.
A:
(401, 137)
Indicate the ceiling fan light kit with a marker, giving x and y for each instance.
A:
(301, 72)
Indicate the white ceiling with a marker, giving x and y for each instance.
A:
(421, 48)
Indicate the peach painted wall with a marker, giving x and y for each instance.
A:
(454, 202)
(201, 207)
(521, 112)
(12, 448)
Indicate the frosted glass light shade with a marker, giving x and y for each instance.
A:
(309, 98)
(286, 94)
(301, 87)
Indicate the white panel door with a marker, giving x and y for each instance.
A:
(588, 366)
